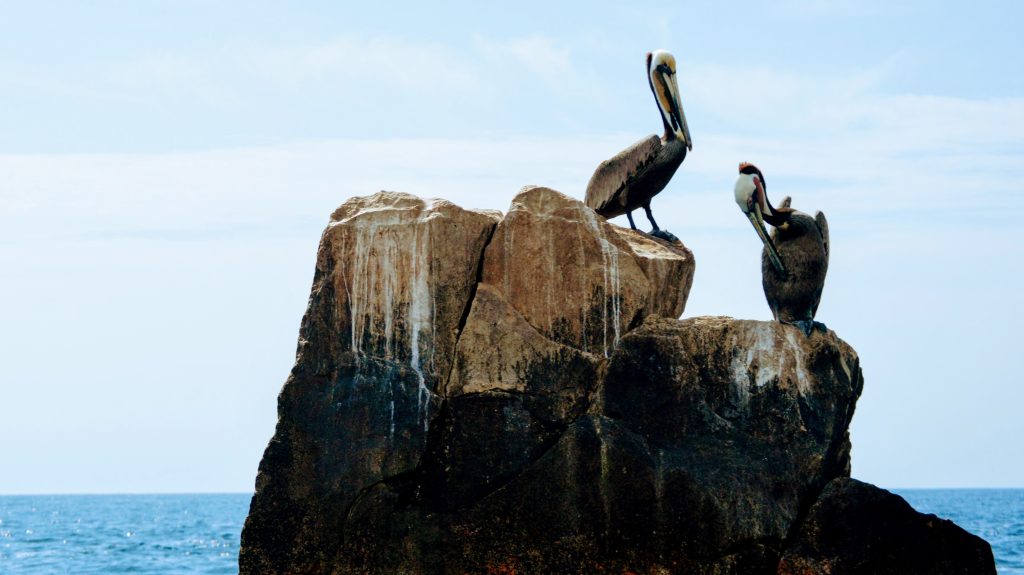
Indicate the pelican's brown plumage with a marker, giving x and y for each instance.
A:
(795, 257)
(635, 175)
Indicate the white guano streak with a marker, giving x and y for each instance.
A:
(374, 290)
(421, 311)
(610, 273)
(768, 361)
(604, 486)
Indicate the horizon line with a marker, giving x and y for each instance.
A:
(145, 493)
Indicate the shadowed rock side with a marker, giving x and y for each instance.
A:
(694, 449)
(745, 421)
(858, 529)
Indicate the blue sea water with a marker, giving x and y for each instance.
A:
(199, 534)
(108, 534)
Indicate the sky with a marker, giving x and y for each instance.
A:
(167, 167)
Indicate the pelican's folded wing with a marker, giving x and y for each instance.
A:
(819, 218)
(607, 187)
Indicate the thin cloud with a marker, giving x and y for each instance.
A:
(538, 54)
(231, 74)
(380, 61)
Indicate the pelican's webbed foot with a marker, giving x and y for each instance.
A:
(808, 325)
(665, 235)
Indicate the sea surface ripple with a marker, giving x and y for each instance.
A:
(109, 534)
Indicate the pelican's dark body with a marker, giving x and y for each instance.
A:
(802, 243)
(635, 175)
(632, 177)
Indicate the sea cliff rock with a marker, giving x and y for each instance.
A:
(856, 528)
(483, 394)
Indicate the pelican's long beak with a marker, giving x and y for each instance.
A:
(757, 221)
(679, 125)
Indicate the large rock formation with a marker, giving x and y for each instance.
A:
(478, 394)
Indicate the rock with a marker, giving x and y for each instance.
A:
(856, 528)
(476, 394)
(499, 351)
(702, 440)
(394, 277)
(669, 268)
(403, 271)
(743, 420)
(579, 280)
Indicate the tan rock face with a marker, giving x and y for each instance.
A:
(499, 351)
(669, 269)
(403, 272)
(578, 279)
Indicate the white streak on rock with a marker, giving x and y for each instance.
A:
(803, 380)
(507, 281)
(846, 368)
(391, 419)
(420, 315)
(378, 292)
(763, 357)
(740, 369)
(386, 270)
(605, 483)
(610, 260)
(361, 279)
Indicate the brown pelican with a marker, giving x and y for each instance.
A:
(795, 256)
(635, 175)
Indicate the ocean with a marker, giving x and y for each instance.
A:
(199, 534)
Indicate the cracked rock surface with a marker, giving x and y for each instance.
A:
(475, 393)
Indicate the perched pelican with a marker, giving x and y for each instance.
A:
(795, 256)
(635, 175)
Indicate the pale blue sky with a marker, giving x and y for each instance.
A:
(166, 169)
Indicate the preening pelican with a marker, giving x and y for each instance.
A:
(635, 175)
(795, 257)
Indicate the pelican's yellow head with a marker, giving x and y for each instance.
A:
(661, 71)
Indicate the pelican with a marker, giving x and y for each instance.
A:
(635, 175)
(795, 257)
